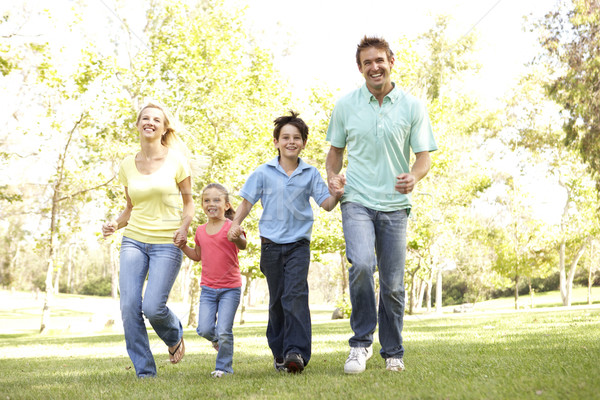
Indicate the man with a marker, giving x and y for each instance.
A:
(380, 124)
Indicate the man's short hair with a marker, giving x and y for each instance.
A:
(373, 41)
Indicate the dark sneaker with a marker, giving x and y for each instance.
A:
(279, 363)
(294, 363)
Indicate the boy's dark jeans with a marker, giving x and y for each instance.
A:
(286, 268)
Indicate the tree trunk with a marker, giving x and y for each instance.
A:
(57, 278)
(412, 290)
(438, 291)
(531, 293)
(56, 198)
(572, 268)
(114, 272)
(194, 295)
(344, 274)
(562, 274)
(70, 268)
(245, 296)
(517, 292)
(590, 274)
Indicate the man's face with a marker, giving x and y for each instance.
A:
(376, 68)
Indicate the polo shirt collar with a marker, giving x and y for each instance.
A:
(275, 164)
(393, 95)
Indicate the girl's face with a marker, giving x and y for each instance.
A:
(214, 204)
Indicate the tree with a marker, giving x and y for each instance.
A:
(432, 69)
(532, 126)
(570, 38)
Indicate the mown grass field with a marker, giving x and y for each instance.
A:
(493, 354)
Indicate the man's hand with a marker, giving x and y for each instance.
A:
(405, 183)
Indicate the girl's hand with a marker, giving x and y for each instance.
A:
(108, 228)
(235, 231)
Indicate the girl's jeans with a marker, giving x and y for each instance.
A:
(215, 321)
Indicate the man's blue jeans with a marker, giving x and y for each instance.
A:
(286, 268)
(215, 321)
(376, 239)
(161, 263)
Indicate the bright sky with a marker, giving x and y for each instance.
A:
(323, 34)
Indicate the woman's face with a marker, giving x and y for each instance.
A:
(151, 123)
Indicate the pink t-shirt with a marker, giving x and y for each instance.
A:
(219, 256)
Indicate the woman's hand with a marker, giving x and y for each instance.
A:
(108, 228)
(180, 237)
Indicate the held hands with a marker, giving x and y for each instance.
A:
(180, 237)
(405, 183)
(336, 185)
(108, 228)
(234, 233)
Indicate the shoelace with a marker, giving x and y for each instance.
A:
(355, 352)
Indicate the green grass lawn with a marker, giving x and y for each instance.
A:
(509, 355)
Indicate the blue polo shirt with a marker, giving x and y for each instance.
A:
(287, 215)
(379, 141)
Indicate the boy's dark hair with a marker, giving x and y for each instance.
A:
(291, 119)
(229, 214)
(378, 43)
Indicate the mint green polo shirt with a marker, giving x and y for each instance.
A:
(379, 140)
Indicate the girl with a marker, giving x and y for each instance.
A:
(221, 279)
(157, 183)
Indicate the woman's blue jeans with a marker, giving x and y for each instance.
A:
(286, 268)
(215, 321)
(161, 264)
(376, 239)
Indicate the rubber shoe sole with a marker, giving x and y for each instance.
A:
(294, 363)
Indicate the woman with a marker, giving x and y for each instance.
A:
(155, 180)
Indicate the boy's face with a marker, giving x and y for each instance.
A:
(290, 142)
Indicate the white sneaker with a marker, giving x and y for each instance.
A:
(394, 364)
(218, 373)
(357, 360)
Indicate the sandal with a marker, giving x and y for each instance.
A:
(177, 354)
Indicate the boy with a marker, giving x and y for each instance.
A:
(284, 186)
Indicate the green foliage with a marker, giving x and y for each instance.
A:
(571, 41)
(97, 287)
(344, 305)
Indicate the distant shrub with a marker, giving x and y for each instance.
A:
(97, 287)
(344, 305)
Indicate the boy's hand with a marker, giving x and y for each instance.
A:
(336, 185)
(235, 231)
